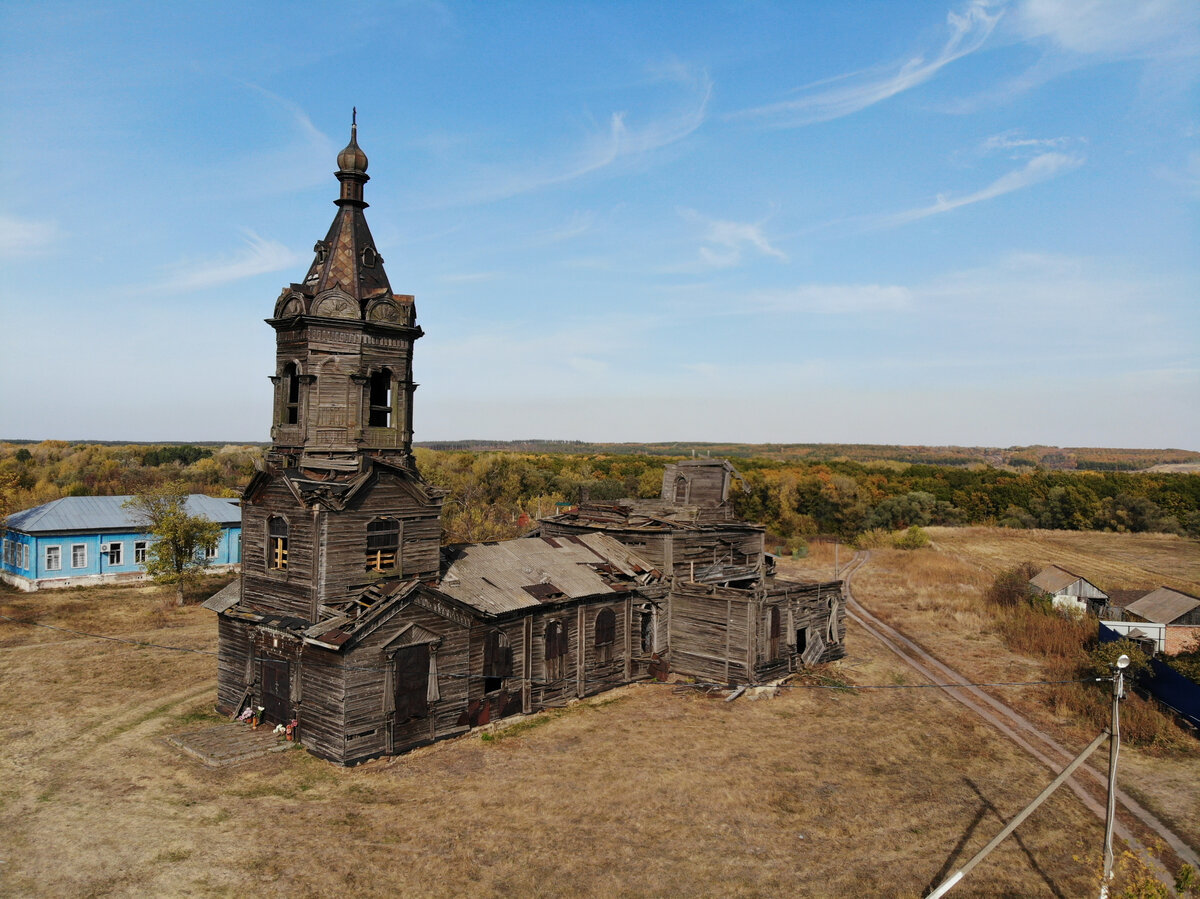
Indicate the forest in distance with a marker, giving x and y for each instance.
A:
(497, 494)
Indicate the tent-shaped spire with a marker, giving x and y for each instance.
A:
(347, 258)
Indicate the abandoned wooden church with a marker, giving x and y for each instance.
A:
(353, 620)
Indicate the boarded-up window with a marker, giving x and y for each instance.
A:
(556, 651)
(277, 543)
(606, 635)
(412, 682)
(774, 631)
(497, 661)
(383, 544)
(381, 399)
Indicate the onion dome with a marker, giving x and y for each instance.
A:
(353, 159)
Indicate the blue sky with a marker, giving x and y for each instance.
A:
(968, 223)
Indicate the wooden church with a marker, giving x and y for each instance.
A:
(352, 619)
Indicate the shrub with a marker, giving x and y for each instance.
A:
(913, 538)
(1011, 586)
(1104, 657)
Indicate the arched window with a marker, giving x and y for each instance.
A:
(383, 544)
(681, 486)
(606, 634)
(380, 400)
(497, 661)
(775, 630)
(277, 543)
(291, 386)
(556, 651)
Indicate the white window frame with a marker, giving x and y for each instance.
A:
(24, 556)
(210, 552)
(79, 550)
(139, 551)
(54, 564)
(117, 548)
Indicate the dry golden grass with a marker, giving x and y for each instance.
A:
(815, 793)
(935, 596)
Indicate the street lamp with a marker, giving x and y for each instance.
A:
(1114, 747)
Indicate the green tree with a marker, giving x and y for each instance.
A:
(177, 554)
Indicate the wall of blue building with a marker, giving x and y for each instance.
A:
(80, 555)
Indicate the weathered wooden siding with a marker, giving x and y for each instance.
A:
(709, 635)
(235, 670)
(287, 592)
(344, 537)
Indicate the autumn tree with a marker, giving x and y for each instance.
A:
(177, 554)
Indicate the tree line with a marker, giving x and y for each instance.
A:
(495, 495)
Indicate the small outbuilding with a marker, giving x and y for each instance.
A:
(1068, 591)
(1179, 612)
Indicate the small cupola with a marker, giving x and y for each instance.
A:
(352, 167)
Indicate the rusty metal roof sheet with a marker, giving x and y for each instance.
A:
(1052, 579)
(1164, 605)
(523, 573)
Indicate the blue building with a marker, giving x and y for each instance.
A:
(80, 540)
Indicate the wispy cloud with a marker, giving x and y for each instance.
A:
(725, 242)
(258, 257)
(831, 299)
(1040, 168)
(1112, 28)
(623, 140)
(23, 238)
(820, 102)
(1015, 145)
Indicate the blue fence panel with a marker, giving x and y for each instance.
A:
(1167, 685)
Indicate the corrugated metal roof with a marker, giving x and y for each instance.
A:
(1053, 579)
(1164, 605)
(492, 577)
(108, 513)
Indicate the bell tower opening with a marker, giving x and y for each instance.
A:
(380, 400)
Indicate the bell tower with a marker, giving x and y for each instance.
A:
(343, 373)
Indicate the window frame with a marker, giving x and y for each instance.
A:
(277, 543)
(604, 635)
(79, 551)
(497, 660)
(115, 548)
(556, 650)
(140, 549)
(56, 551)
(381, 399)
(382, 546)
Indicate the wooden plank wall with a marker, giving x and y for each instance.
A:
(266, 590)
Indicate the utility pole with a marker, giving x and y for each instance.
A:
(1114, 747)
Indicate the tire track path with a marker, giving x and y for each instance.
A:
(1013, 725)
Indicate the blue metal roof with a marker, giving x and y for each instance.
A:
(108, 513)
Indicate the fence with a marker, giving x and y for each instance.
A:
(1166, 684)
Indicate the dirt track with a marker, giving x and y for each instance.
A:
(1014, 726)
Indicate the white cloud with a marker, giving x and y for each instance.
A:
(1040, 168)
(259, 257)
(724, 241)
(22, 238)
(1017, 146)
(1112, 28)
(968, 28)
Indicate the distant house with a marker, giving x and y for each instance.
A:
(79, 540)
(1069, 591)
(1178, 611)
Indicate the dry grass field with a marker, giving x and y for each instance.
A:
(935, 597)
(643, 791)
